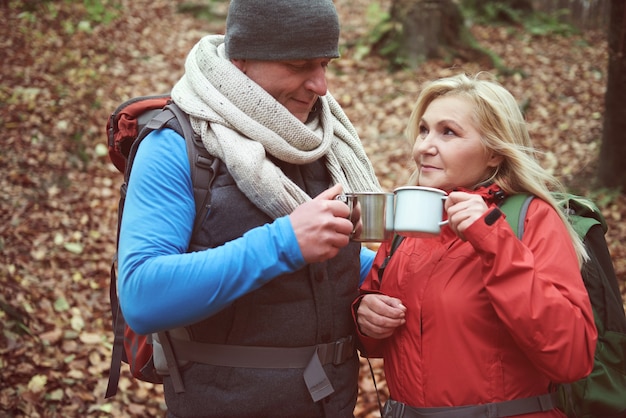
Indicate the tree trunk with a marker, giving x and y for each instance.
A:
(612, 164)
(422, 31)
(426, 29)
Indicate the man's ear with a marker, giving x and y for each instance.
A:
(239, 63)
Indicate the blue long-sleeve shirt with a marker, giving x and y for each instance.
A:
(161, 286)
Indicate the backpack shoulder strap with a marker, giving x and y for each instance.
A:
(203, 165)
(515, 208)
(395, 243)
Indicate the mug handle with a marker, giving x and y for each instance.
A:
(442, 223)
(345, 199)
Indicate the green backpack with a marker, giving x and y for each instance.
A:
(603, 392)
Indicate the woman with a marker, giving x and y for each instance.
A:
(474, 316)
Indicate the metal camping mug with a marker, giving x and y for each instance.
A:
(419, 211)
(376, 214)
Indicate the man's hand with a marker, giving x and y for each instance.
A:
(322, 226)
(379, 315)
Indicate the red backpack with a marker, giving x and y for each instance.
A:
(127, 126)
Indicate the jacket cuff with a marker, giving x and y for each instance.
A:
(483, 226)
(363, 340)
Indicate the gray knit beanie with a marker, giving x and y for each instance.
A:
(274, 30)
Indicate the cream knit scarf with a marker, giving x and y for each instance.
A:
(241, 123)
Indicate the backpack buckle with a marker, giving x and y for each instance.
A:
(343, 350)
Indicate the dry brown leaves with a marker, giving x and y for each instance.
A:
(62, 74)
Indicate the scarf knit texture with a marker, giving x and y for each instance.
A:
(240, 123)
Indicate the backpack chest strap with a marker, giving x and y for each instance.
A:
(336, 352)
(541, 403)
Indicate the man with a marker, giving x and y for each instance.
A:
(257, 304)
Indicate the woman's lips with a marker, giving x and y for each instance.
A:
(428, 168)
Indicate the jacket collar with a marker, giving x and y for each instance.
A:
(491, 193)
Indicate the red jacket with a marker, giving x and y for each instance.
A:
(488, 319)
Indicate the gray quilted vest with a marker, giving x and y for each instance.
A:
(308, 307)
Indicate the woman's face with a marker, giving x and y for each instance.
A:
(448, 150)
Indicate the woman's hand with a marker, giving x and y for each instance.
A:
(379, 315)
(463, 209)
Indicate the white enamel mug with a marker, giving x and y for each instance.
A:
(419, 211)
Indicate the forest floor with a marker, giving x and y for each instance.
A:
(66, 67)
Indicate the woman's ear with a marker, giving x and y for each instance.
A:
(495, 160)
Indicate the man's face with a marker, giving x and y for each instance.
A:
(295, 84)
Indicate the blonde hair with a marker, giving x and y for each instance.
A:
(503, 130)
